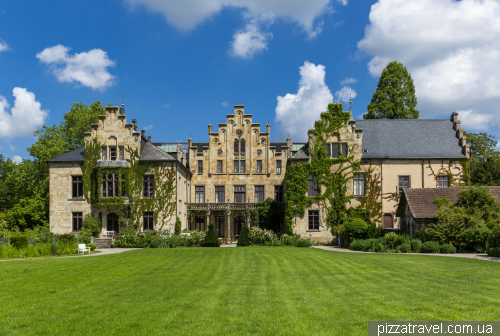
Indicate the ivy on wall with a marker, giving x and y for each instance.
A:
(372, 200)
(92, 153)
(460, 177)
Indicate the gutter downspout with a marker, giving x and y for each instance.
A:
(422, 173)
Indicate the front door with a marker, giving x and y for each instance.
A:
(219, 226)
(113, 222)
(238, 224)
(388, 222)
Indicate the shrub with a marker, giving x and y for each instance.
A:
(83, 239)
(369, 245)
(380, 248)
(304, 243)
(92, 246)
(286, 239)
(374, 231)
(260, 236)
(492, 252)
(452, 222)
(416, 245)
(173, 241)
(474, 239)
(114, 245)
(244, 238)
(390, 240)
(421, 235)
(430, 247)
(67, 238)
(405, 248)
(177, 230)
(19, 241)
(479, 200)
(211, 239)
(357, 245)
(448, 248)
(356, 228)
(401, 239)
(92, 225)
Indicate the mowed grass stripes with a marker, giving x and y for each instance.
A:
(240, 291)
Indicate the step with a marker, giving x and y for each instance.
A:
(103, 242)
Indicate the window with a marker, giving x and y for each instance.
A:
(77, 221)
(242, 146)
(199, 194)
(236, 166)
(404, 182)
(121, 152)
(313, 219)
(148, 221)
(278, 166)
(112, 153)
(259, 166)
(242, 166)
(335, 150)
(219, 226)
(236, 146)
(328, 150)
(104, 153)
(77, 186)
(219, 194)
(219, 166)
(123, 186)
(442, 181)
(199, 222)
(148, 186)
(239, 194)
(359, 184)
(259, 194)
(313, 186)
(200, 167)
(278, 194)
(110, 186)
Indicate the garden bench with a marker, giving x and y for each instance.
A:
(108, 234)
(83, 248)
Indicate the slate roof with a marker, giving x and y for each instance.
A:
(278, 146)
(421, 201)
(301, 154)
(118, 163)
(150, 152)
(409, 139)
(72, 156)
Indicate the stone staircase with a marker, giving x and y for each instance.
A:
(101, 243)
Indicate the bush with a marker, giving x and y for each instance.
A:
(430, 247)
(244, 238)
(369, 245)
(421, 235)
(114, 245)
(177, 230)
(405, 248)
(67, 238)
(211, 239)
(92, 246)
(390, 240)
(92, 225)
(83, 239)
(492, 252)
(356, 228)
(448, 249)
(173, 241)
(286, 239)
(380, 248)
(416, 245)
(374, 231)
(474, 239)
(19, 241)
(259, 236)
(357, 245)
(479, 200)
(304, 243)
(401, 239)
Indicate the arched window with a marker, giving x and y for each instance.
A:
(236, 146)
(242, 146)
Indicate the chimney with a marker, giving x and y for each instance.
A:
(456, 124)
(143, 134)
(134, 122)
(149, 139)
(453, 117)
(209, 128)
(122, 109)
(268, 128)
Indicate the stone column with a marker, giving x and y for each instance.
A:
(249, 215)
(207, 220)
(228, 214)
(188, 220)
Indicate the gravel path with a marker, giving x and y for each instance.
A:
(456, 255)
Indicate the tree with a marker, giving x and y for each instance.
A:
(395, 96)
(211, 239)
(244, 238)
(485, 160)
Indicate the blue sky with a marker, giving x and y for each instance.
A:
(184, 64)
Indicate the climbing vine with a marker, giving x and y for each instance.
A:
(92, 154)
(458, 178)
(373, 188)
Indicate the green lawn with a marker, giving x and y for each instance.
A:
(233, 291)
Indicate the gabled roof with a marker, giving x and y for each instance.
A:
(421, 201)
(150, 152)
(301, 154)
(409, 139)
(76, 155)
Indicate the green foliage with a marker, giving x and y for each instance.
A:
(92, 246)
(92, 154)
(296, 199)
(28, 213)
(474, 239)
(369, 245)
(416, 245)
(404, 248)
(430, 247)
(19, 240)
(493, 252)
(244, 238)
(421, 235)
(304, 243)
(266, 215)
(260, 236)
(395, 95)
(484, 159)
(451, 222)
(177, 226)
(356, 228)
(67, 237)
(480, 201)
(448, 249)
(374, 231)
(357, 245)
(370, 203)
(92, 224)
(391, 239)
(440, 202)
(211, 239)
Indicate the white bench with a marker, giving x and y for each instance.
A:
(108, 234)
(83, 248)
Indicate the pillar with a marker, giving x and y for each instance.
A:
(228, 214)
(207, 220)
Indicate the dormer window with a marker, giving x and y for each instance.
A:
(112, 153)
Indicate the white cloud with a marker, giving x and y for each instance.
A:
(3, 46)
(250, 40)
(89, 68)
(148, 127)
(17, 159)
(345, 94)
(343, 2)
(24, 118)
(225, 104)
(166, 105)
(451, 48)
(348, 80)
(296, 113)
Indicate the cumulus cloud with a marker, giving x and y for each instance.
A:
(345, 94)
(250, 40)
(451, 48)
(17, 159)
(225, 104)
(88, 68)
(348, 80)
(24, 118)
(297, 112)
(148, 127)
(3, 46)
